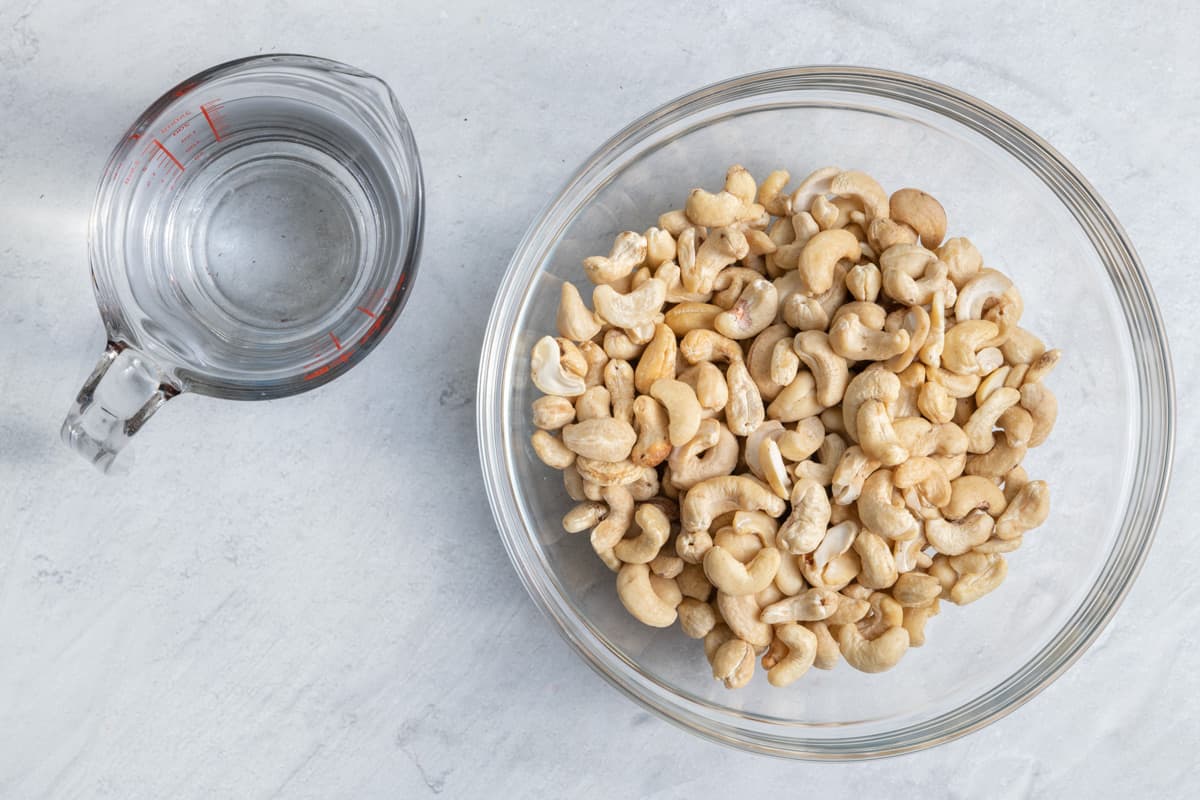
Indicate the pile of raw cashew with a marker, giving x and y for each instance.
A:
(794, 421)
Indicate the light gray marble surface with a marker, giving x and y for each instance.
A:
(307, 598)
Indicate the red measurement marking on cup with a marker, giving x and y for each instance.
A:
(208, 118)
(365, 311)
(336, 343)
(168, 152)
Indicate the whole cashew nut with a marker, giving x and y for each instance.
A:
(600, 438)
(683, 409)
(963, 259)
(657, 360)
(627, 254)
(639, 598)
(956, 538)
(722, 248)
(652, 446)
(877, 436)
(963, 342)
(916, 589)
(655, 529)
(754, 310)
(828, 368)
(877, 655)
(548, 373)
(616, 522)
(637, 308)
(716, 496)
(735, 578)
(744, 411)
(878, 564)
(797, 401)
(575, 320)
(874, 383)
(1029, 508)
(740, 613)
(853, 340)
(921, 212)
(820, 256)
(1042, 405)
(977, 578)
(733, 663)
(801, 653)
(881, 512)
(866, 190)
(705, 345)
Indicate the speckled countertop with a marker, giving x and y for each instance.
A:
(307, 598)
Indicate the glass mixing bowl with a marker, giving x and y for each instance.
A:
(1108, 461)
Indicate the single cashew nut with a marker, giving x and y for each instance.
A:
(828, 368)
(877, 655)
(921, 212)
(551, 450)
(722, 248)
(583, 516)
(754, 310)
(797, 401)
(683, 409)
(956, 538)
(1022, 347)
(575, 320)
(627, 254)
(963, 342)
(652, 446)
(716, 496)
(866, 190)
(600, 438)
(878, 564)
(935, 403)
(717, 210)
(733, 577)
(801, 653)
(639, 598)
(874, 383)
(551, 412)
(1042, 405)
(877, 436)
(820, 256)
(629, 311)
(963, 259)
(744, 411)
(657, 360)
(977, 578)
(916, 589)
(643, 548)
(915, 619)
(1029, 508)
(691, 316)
(616, 522)
(881, 511)
(852, 340)
(705, 345)
(548, 373)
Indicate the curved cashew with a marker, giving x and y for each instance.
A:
(583, 516)
(666, 565)
(552, 412)
(907, 553)
(575, 320)
(683, 409)
(691, 316)
(828, 653)
(652, 446)
(804, 313)
(1029, 508)
(643, 548)
(771, 196)
(733, 663)
(804, 529)
(705, 345)
(735, 578)
(956, 538)
(730, 283)
(715, 496)
(1042, 405)
(997, 461)
(618, 379)
(927, 477)
(639, 598)
(660, 247)
(877, 436)
(740, 613)
(956, 385)
(712, 452)
(693, 583)
(994, 380)
(1022, 347)
(809, 606)
(820, 256)
(963, 259)
(921, 212)
(789, 580)
(834, 575)
(977, 576)
(759, 358)
(608, 473)
(629, 311)
(627, 254)
(741, 546)
(877, 655)
(616, 522)
(838, 539)
(881, 512)
(806, 439)
(797, 401)
(833, 446)
(852, 340)
(979, 427)
(828, 368)
(801, 653)
(744, 412)
(548, 372)
(884, 232)
(866, 190)
(718, 210)
(596, 360)
(696, 618)
(853, 469)
(600, 438)
(910, 290)
(878, 564)
(754, 310)
(870, 316)
(874, 383)
(551, 450)
(1042, 366)
(962, 343)
(986, 286)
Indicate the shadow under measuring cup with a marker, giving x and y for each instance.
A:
(254, 235)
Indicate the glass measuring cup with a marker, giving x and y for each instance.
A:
(254, 235)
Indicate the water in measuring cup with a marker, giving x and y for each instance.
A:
(272, 232)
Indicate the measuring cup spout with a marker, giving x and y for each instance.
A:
(114, 404)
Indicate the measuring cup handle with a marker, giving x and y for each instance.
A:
(109, 410)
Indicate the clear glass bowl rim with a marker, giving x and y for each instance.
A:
(1154, 442)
